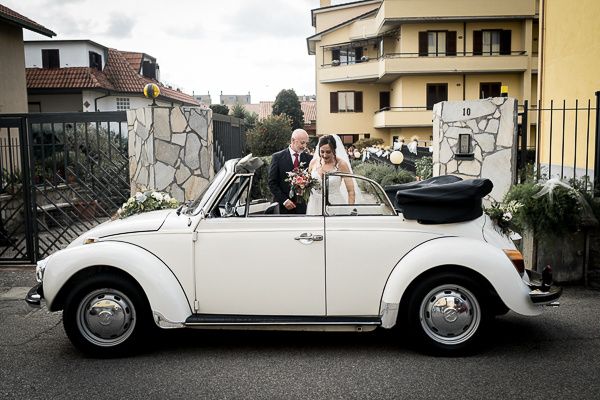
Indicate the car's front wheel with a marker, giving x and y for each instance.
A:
(447, 314)
(105, 316)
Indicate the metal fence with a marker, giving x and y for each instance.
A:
(229, 139)
(564, 143)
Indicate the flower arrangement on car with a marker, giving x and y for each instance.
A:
(148, 200)
(503, 213)
(301, 183)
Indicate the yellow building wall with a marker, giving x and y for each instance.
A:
(513, 81)
(455, 8)
(414, 88)
(568, 71)
(332, 17)
(13, 87)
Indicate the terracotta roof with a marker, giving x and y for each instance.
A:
(67, 78)
(265, 108)
(15, 18)
(118, 76)
(134, 59)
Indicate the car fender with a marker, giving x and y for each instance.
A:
(164, 292)
(479, 256)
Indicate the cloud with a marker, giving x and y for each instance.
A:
(119, 25)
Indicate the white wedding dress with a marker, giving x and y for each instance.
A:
(315, 201)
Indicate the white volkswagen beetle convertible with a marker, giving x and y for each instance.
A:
(228, 261)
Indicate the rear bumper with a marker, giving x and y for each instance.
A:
(542, 292)
(35, 295)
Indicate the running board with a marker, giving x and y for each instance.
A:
(241, 320)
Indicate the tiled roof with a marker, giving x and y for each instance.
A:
(134, 59)
(118, 76)
(265, 108)
(11, 16)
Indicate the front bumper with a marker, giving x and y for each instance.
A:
(35, 295)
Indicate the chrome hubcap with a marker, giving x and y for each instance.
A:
(106, 317)
(450, 314)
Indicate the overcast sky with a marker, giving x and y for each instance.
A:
(234, 46)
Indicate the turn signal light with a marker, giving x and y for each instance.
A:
(517, 259)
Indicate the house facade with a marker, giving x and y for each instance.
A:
(569, 57)
(13, 96)
(84, 76)
(381, 65)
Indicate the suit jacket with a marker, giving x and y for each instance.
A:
(281, 163)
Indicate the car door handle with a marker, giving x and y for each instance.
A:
(309, 237)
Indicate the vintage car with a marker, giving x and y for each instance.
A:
(231, 261)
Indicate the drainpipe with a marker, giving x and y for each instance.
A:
(98, 98)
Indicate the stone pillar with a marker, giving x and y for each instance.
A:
(492, 124)
(171, 150)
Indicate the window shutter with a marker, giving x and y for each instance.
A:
(477, 43)
(451, 43)
(505, 39)
(358, 102)
(384, 100)
(333, 102)
(423, 44)
(45, 59)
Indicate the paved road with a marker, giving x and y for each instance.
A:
(554, 356)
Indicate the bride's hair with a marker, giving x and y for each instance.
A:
(330, 140)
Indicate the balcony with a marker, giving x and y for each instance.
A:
(364, 71)
(403, 117)
(411, 63)
(392, 65)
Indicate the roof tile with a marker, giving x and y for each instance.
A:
(21, 20)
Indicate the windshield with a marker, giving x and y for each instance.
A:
(207, 192)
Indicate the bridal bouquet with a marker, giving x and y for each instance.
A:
(146, 201)
(301, 183)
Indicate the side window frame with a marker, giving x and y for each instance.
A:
(382, 196)
(246, 186)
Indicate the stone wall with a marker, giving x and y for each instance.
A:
(492, 124)
(171, 150)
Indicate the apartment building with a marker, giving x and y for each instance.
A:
(381, 65)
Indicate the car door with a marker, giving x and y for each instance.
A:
(257, 264)
(365, 241)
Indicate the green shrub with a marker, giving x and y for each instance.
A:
(382, 173)
(269, 135)
(363, 143)
(424, 167)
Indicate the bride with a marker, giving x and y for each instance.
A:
(330, 156)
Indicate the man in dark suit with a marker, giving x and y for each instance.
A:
(284, 161)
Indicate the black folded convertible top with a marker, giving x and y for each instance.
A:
(441, 203)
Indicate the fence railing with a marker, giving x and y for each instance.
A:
(565, 138)
(229, 139)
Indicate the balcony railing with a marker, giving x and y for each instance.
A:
(396, 117)
(416, 63)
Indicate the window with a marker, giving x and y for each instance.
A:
(95, 60)
(354, 196)
(436, 92)
(489, 89)
(50, 58)
(437, 43)
(346, 55)
(345, 102)
(122, 103)
(149, 69)
(384, 100)
(242, 199)
(492, 42)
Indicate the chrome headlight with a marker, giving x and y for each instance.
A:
(39, 270)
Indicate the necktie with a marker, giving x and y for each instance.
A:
(296, 160)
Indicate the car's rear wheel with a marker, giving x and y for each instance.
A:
(105, 316)
(447, 314)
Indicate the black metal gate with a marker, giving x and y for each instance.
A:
(72, 174)
(229, 139)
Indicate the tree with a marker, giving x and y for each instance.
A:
(249, 118)
(269, 135)
(287, 103)
(219, 109)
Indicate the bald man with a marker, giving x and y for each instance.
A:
(284, 161)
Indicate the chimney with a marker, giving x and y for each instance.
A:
(325, 3)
